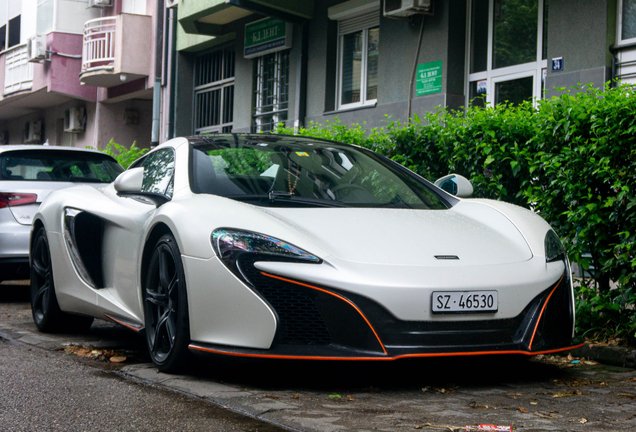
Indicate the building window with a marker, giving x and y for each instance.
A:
(271, 91)
(507, 50)
(14, 32)
(627, 21)
(134, 7)
(214, 91)
(358, 52)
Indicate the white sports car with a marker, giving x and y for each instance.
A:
(275, 246)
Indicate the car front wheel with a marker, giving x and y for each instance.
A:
(166, 307)
(47, 315)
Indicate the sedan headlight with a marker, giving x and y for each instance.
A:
(554, 250)
(230, 245)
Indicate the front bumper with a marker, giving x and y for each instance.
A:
(320, 323)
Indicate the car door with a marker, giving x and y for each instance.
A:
(125, 235)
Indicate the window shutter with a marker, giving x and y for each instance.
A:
(350, 25)
(134, 7)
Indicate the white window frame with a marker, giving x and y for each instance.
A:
(619, 27)
(534, 69)
(348, 10)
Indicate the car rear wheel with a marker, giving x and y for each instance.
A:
(166, 307)
(47, 315)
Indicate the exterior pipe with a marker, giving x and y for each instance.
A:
(156, 90)
(301, 78)
(417, 56)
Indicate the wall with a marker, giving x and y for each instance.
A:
(111, 123)
(580, 31)
(443, 39)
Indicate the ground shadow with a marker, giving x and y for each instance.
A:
(406, 374)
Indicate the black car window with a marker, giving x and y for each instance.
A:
(158, 171)
(58, 166)
(289, 171)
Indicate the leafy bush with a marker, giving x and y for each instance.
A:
(571, 158)
(125, 156)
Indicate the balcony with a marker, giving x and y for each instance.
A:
(18, 72)
(116, 50)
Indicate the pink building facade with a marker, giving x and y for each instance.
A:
(77, 73)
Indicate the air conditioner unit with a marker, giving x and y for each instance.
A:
(172, 4)
(407, 8)
(100, 3)
(36, 48)
(33, 132)
(75, 119)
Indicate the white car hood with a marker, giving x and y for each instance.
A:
(476, 233)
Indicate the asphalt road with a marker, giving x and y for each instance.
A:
(550, 393)
(43, 390)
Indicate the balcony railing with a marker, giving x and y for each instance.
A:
(18, 72)
(99, 43)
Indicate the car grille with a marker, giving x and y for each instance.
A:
(300, 321)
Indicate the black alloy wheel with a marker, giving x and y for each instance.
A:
(166, 307)
(47, 315)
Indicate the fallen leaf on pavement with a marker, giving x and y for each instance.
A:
(271, 397)
(523, 410)
(583, 421)
(533, 403)
(335, 396)
(474, 405)
(450, 428)
(118, 359)
(626, 395)
(296, 396)
(566, 394)
(544, 414)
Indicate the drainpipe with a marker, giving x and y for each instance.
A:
(172, 65)
(156, 91)
(301, 78)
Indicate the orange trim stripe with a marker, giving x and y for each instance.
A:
(543, 309)
(335, 295)
(130, 326)
(458, 354)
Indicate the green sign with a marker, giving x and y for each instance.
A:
(266, 36)
(429, 78)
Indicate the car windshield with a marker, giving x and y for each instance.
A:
(288, 171)
(58, 166)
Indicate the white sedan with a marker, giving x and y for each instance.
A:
(276, 246)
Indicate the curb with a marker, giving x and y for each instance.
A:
(615, 356)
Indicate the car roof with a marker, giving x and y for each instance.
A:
(272, 137)
(39, 147)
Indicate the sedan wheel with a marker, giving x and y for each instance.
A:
(166, 307)
(47, 315)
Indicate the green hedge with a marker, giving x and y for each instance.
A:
(125, 156)
(571, 158)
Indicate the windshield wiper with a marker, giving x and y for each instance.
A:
(277, 196)
(85, 179)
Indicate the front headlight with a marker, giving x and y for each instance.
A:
(230, 245)
(554, 250)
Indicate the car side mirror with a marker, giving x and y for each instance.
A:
(130, 181)
(455, 184)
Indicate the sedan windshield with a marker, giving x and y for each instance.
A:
(58, 166)
(273, 170)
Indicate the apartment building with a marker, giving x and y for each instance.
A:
(246, 65)
(77, 72)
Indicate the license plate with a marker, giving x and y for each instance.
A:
(464, 301)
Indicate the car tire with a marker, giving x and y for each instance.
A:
(47, 315)
(166, 307)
